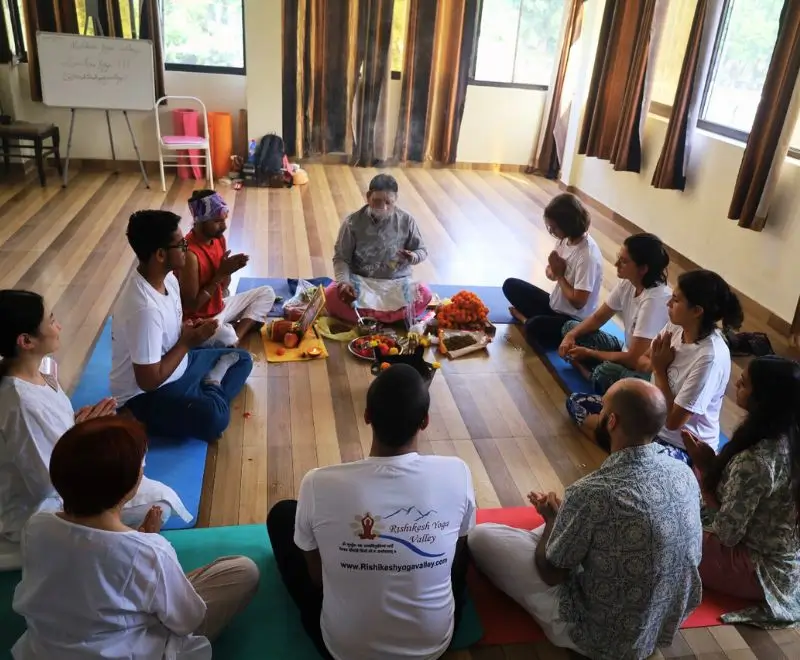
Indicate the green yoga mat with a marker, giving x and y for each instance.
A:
(268, 629)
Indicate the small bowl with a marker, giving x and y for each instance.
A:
(314, 352)
(367, 326)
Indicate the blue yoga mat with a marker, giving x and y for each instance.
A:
(177, 462)
(269, 628)
(492, 296)
(572, 379)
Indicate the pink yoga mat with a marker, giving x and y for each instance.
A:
(505, 622)
(186, 122)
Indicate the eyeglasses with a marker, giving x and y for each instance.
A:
(183, 245)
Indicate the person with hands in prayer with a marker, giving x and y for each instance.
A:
(206, 276)
(373, 258)
(158, 373)
(612, 573)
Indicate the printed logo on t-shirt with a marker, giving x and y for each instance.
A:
(410, 528)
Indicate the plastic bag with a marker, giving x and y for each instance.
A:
(294, 307)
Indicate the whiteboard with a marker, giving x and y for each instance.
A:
(96, 72)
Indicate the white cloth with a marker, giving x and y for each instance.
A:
(386, 530)
(89, 593)
(643, 316)
(145, 325)
(254, 304)
(698, 377)
(384, 295)
(32, 419)
(584, 272)
(506, 555)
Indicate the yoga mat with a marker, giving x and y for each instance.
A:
(505, 622)
(492, 297)
(178, 462)
(281, 286)
(186, 123)
(572, 380)
(220, 138)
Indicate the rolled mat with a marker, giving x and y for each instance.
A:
(268, 629)
(186, 122)
(505, 622)
(220, 137)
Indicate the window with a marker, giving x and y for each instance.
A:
(204, 35)
(398, 38)
(14, 21)
(128, 14)
(517, 42)
(668, 59)
(746, 38)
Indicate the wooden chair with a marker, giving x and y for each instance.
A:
(36, 134)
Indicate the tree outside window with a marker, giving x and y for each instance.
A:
(203, 33)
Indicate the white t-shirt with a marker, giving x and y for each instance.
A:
(698, 377)
(584, 272)
(643, 316)
(88, 593)
(32, 419)
(145, 325)
(386, 530)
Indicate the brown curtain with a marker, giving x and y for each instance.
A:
(45, 16)
(438, 49)
(150, 28)
(768, 142)
(670, 172)
(615, 106)
(549, 148)
(335, 59)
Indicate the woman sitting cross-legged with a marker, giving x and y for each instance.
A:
(641, 299)
(751, 491)
(35, 412)
(690, 363)
(92, 587)
(575, 265)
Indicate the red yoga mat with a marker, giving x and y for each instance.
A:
(505, 622)
(186, 123)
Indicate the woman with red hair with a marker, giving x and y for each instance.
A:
(93, 587)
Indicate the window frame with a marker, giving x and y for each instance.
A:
(15, 32)
(209, 68)
(473, 63)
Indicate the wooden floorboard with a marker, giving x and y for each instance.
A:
(503, 413)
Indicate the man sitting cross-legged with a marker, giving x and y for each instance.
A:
(206, 275)
(173, 390)
(373, 553)
(613, 572)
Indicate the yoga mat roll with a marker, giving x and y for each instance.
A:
(186, 123)
(220, 129)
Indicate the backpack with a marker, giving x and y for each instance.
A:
(269, 162)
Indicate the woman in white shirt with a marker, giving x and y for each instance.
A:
(93, 587)
(575, 265)
(640, 298)
(35, 412)
(690, 363)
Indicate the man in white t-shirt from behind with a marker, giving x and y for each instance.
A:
(156, 374)
(373, 552)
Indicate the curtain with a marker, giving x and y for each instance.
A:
(549, 148)
(335, 63)
(150, 28)
(47, 16)
(6, 55)
(777, 113)
(670, 172)
(438, 50)
(617, 99)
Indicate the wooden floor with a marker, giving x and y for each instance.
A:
(503, 414)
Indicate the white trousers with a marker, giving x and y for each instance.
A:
(254, 304)
(507, 556)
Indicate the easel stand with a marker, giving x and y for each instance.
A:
(111, 142)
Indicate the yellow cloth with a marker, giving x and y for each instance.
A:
(271, 348)
(324, 329)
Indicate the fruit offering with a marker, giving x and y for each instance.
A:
(464, 309)
(365, 346)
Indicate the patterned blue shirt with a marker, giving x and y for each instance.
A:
(631, 533)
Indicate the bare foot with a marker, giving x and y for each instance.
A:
(517, 314)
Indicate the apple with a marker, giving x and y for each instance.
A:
(291, 340)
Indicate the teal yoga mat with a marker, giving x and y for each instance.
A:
(269, 629)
